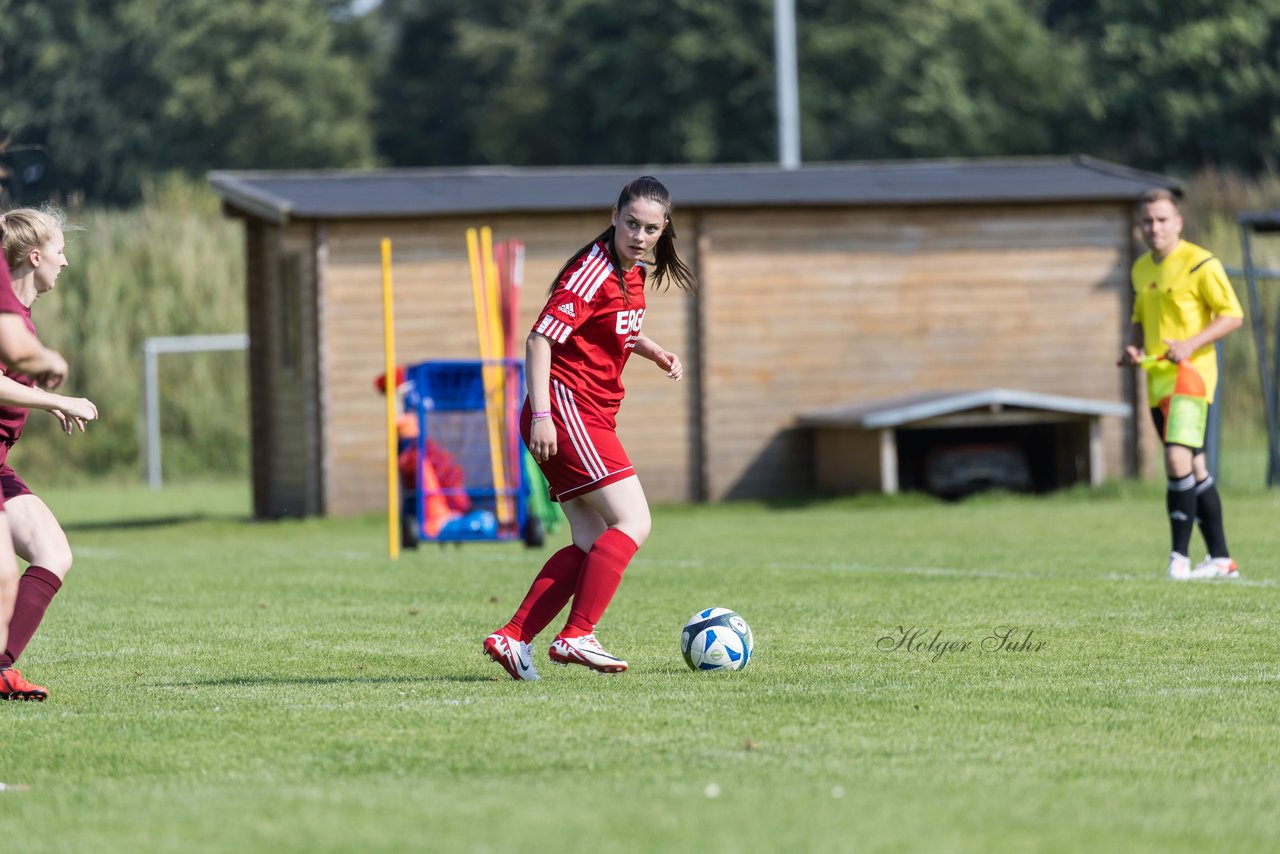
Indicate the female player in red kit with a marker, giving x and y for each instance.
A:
(573, 368)
(34, 251)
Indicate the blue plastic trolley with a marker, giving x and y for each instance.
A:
(481, 492)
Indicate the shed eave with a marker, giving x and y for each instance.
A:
(250, 199)
(1261, 221)
(894, 414)
(437, 193)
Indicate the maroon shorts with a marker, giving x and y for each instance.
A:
(11, 486)
(588, 454)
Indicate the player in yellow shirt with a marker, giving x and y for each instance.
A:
(1183, 303)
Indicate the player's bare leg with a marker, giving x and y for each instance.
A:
(39, 540)
(13, 686)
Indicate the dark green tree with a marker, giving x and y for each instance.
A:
(1181, 84)
(114, 93)
(78, 91)
(580, 82)
(431, 87)
(257, 85)
(937, 78)
(591, 81)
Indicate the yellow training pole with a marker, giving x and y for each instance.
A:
(495, 380)
(477, 290)
(484, 334)
(389, 338)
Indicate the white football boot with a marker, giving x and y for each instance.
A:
(1179, 566)
(514, 656)
(585, 650)
(1216, 567)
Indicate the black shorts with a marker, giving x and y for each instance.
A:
(1157, 417)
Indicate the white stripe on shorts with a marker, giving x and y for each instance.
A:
(578, 436)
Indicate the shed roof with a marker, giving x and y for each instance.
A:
(395, 193)
(1261, 220)
(907, 409)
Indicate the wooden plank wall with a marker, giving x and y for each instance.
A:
(261, 415)
(283, 367)
(799, 309)
(435, 320)
(807, 308)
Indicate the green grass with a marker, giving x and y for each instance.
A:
(220, 685)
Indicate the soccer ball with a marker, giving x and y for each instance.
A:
(716, 639)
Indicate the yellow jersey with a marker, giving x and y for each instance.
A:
(1177, 298)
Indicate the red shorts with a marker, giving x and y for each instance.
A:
(588, 454)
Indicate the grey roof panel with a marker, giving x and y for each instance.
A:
(278, 196)
(1261, 220)
(897, 411)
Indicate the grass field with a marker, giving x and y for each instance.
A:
(220, 685)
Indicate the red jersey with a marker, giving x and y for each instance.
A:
(593, 329)
(13, 418)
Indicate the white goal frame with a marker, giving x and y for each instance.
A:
(152, 348)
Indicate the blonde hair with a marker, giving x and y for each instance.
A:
(25, 229)
(1159, 194)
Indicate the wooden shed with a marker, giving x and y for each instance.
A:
(823, 286)
(953, 443)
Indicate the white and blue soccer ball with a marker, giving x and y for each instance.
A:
(716, 639)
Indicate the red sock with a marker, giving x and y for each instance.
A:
(601, 574)
(36, 589)
(547, 596)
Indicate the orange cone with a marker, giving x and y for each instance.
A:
(437, 506)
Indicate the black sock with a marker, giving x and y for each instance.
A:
(1181, 503)
(1209, 514)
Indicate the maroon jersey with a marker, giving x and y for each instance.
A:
(593, 328)
(13, 418)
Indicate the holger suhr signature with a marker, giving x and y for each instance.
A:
(927, 641)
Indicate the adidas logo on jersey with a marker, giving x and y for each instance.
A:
(566, 309)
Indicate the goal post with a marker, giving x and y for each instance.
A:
(1259, 223)
(152, 349)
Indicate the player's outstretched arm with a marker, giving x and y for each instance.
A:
(664, 359)
(70, 411)
(22, 351)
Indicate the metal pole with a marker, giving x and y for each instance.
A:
(150, 380)
(1256, 310)
(784, 54)
(1272, 405)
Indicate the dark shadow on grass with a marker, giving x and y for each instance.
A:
(151, 522)
(328, 680)
(859, 501)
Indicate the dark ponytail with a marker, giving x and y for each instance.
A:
(666, 260)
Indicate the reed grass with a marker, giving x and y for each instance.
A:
(172, 265)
